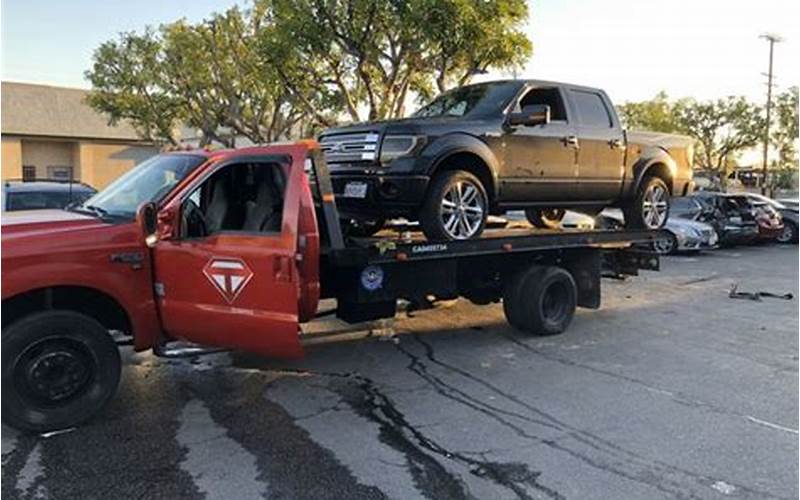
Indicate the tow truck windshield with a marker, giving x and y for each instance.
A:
(148, 181)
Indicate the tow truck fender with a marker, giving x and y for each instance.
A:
(140, 311)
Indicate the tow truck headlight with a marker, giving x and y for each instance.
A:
(396, 146)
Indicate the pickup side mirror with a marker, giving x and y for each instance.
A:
(147, 219)
(534, 114)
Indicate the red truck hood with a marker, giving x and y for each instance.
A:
(31, 222)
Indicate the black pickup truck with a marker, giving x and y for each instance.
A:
(515, 144)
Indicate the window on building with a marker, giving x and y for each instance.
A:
(59, 173)
(28, 173)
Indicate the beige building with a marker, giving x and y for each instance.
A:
(51, 133)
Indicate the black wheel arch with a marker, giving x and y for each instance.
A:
(88, 301)
(655, 162)
(460, 151)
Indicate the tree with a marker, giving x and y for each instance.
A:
(658, 114)
(785, 134)
(289, 66)
(129, 85)
(371, 55)
(722, 128)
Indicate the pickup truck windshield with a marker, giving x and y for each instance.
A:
(148, 181)
(472, 100)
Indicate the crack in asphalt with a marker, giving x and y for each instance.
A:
(396, 431)
(601, 443)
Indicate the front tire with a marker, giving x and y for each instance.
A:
(548, 218)
(650, 207)
(60, 368)
(456, 207)
(789, 234)
(667, 245)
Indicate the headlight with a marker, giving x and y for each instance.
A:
(396, 146)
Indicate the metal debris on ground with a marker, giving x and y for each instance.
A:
(735, 294)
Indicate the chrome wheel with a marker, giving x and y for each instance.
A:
(787, 235)
(664, 246)
(655, 207)
(462, 210)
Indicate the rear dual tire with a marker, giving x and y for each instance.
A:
(59, 368)
(540, 300)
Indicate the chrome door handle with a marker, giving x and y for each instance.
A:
(570, 140)
(615, 143)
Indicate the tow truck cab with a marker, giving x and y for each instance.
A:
(223, 248)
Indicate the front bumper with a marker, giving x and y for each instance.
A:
(769, 233)
(692, 242)
(386, 195)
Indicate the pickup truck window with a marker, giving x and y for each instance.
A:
(592, 111)
(549, 96)
(243, 197)
(470, 100)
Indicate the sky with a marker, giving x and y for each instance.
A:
(631, 48)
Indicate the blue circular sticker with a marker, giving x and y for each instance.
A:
(372, 278)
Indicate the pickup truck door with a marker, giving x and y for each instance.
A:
(232, 288)
(541, 161)
(601, 155)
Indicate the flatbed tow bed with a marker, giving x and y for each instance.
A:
(368, 275)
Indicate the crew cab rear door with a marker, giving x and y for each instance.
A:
(601, 155)
(223, 278)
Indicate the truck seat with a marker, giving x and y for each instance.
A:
(263, 213)
(217, 208)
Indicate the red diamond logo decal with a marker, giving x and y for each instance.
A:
(229, 276)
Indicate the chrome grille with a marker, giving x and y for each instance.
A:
(341, 148)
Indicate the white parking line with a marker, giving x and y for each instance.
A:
(770, 424)
(220, 467)
(9, 442)
(31, 473)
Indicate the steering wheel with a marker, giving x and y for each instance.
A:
(195, 220)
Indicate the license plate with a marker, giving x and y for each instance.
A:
(355, 190)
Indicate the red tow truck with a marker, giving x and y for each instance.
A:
(233, 249)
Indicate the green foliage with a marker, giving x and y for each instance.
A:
(129, 85)
(722, 128)
(658, 114)
(287, 67)
(785, 128)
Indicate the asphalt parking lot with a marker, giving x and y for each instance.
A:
(671, 390)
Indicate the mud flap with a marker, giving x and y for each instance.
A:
(585, 269)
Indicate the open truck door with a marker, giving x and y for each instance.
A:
(225, 266)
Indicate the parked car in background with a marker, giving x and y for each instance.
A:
(491, 147)
(685, 235)
(791, 203)
(731, 215)
(788, 210)
(36, 195)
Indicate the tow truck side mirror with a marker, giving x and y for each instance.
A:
(534, 114)
(147, 218)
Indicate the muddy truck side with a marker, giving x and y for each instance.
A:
(234, 249)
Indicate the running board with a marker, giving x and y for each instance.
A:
(185, 351)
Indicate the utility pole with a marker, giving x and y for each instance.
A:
(772, 39)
